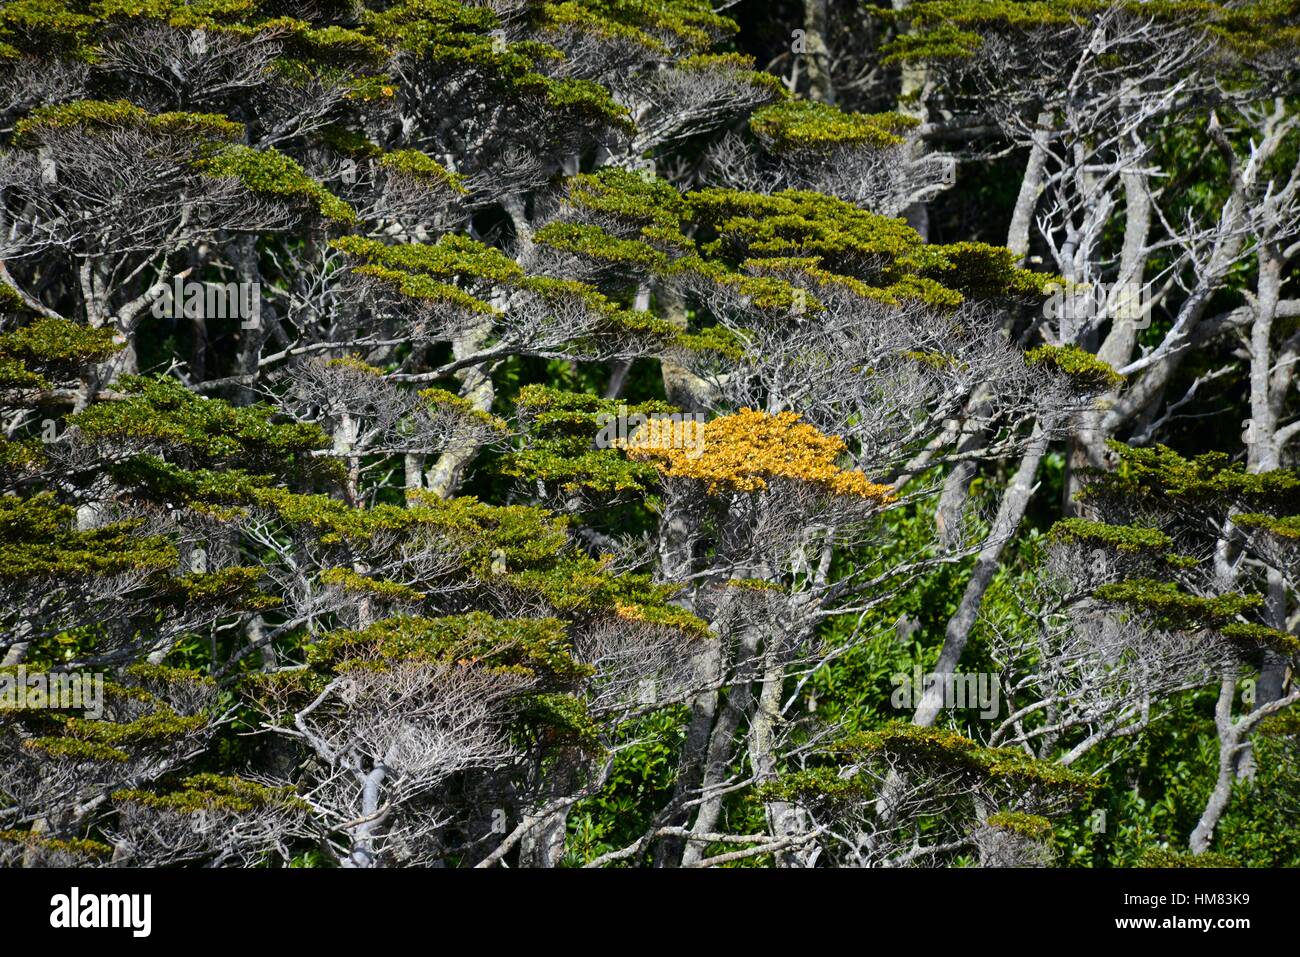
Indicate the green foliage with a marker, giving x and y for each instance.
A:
(639, 200)
(562, 719)
(231, 588)
(736, 65)
(12, 302)
(807, 125)
(426, 271)
(98, 740)
(441, 398)
(56, 347)
(980, 271)
(456, 37)
(848, 240)
(353, 573)
(657, 24)
(1253, 636)
(821, 786)
(105, 116)
(162, 724)
(71, 749)
(595, 242)
(271, 173)
(424, 167)
(943, 749)
(536, 647)
(718, 340)
(942, 42)
(1286, 526)
(562, 431)
(1080, 366)
(213, 792)
(149, 674)
(77, 847)
(38, 543)
(1032, 826)
(885, 255)
(160, 413)
(14, 375)
(1170, 606)
(642, 773)
(1124, 538)
(43, 27)
(1164, 857)
(1159, 474)
(942, 30)
(583, 586)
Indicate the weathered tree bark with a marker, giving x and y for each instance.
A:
(413, 470)
(1233, 739)
(17, 651)
(1270, 381)
(911, 102)
(1229, 754)
(1010, 511)
(1031, 189)
(737, 707)
(362, 850)
(252, 331)
(956, 488)
(543, 844)
(816, 54)
(783, 820)
(683, 388)
(1088, 443)
(545, 829)
(447, 473)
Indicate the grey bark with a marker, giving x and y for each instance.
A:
(1010, 511)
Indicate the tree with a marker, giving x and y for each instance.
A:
(417, 410)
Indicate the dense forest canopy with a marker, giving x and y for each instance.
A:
(643, 433)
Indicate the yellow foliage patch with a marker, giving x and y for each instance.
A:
(741, 452)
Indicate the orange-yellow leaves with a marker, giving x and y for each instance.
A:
(742, 452)
(630, 612)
